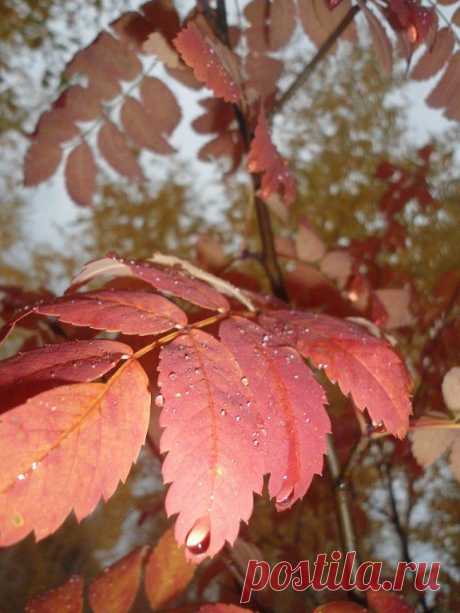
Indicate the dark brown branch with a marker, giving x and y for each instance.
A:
(303, 77)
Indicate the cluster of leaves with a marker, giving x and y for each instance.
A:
(236, 392)
(221, 371)
(115, 104)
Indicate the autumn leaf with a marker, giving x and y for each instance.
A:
(212, 62)
(264, 158)
(289, 403)
(212, 463)
(29, 373)
(170, 280)
(115, 589)
(387, 602)
(167, 572)
(366, 367)
(126, 311)
(65, 448)
(67, 597)
(433, 437)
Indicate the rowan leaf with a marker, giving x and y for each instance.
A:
(126, 311)
(388, 602)
(167, 572)
(27, 374)
(364, 366)
(41, 162)
(271, 26)
(173, 281)
(213, 63)
(80, 175)
(206, 419)
(292, 423)
(264, 158)
(161, 105)
(65, 448)
(67, 597)
(114, 148)
(432, 437)
(319, 21)
(435, 57)
(115, 589)
(446, 88)
(140, 126)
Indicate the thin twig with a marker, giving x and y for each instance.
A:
(302, 78)
(341, 491)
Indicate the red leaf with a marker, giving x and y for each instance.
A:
(213, 64)
(436, 57)
(67, 597)
(41, 162)
(65, 448)
(174, 282)
(448, 86)
(27, 374)
(292, 424)
(263, 73)
(319, 22)
(206, 411)
(363, 365)
(140, 126)
(114, 148)
(272, 25)
(80, 103)
(80, 175)
(129, 311)
(115, 589)
(160, 104)
(167, 572)
(385, 602)
(107, 56)
(264, 158)
(55, 127)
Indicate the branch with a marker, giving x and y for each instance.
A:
(394, 516)
(341, 490)
(303, 77)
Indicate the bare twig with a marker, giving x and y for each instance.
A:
(303, 77)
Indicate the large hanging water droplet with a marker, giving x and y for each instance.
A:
(199, 537)
(284, 497)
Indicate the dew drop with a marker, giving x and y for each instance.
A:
(199, 537)
(223, 412)
(284, 497)
(238, 418)
(34, 465)
(172, 375)
(21, 477)
(159, 400)
(245, 381)
(178, 395)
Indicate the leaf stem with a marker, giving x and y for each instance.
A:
(303, 77)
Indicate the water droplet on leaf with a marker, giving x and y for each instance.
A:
(199, 537)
